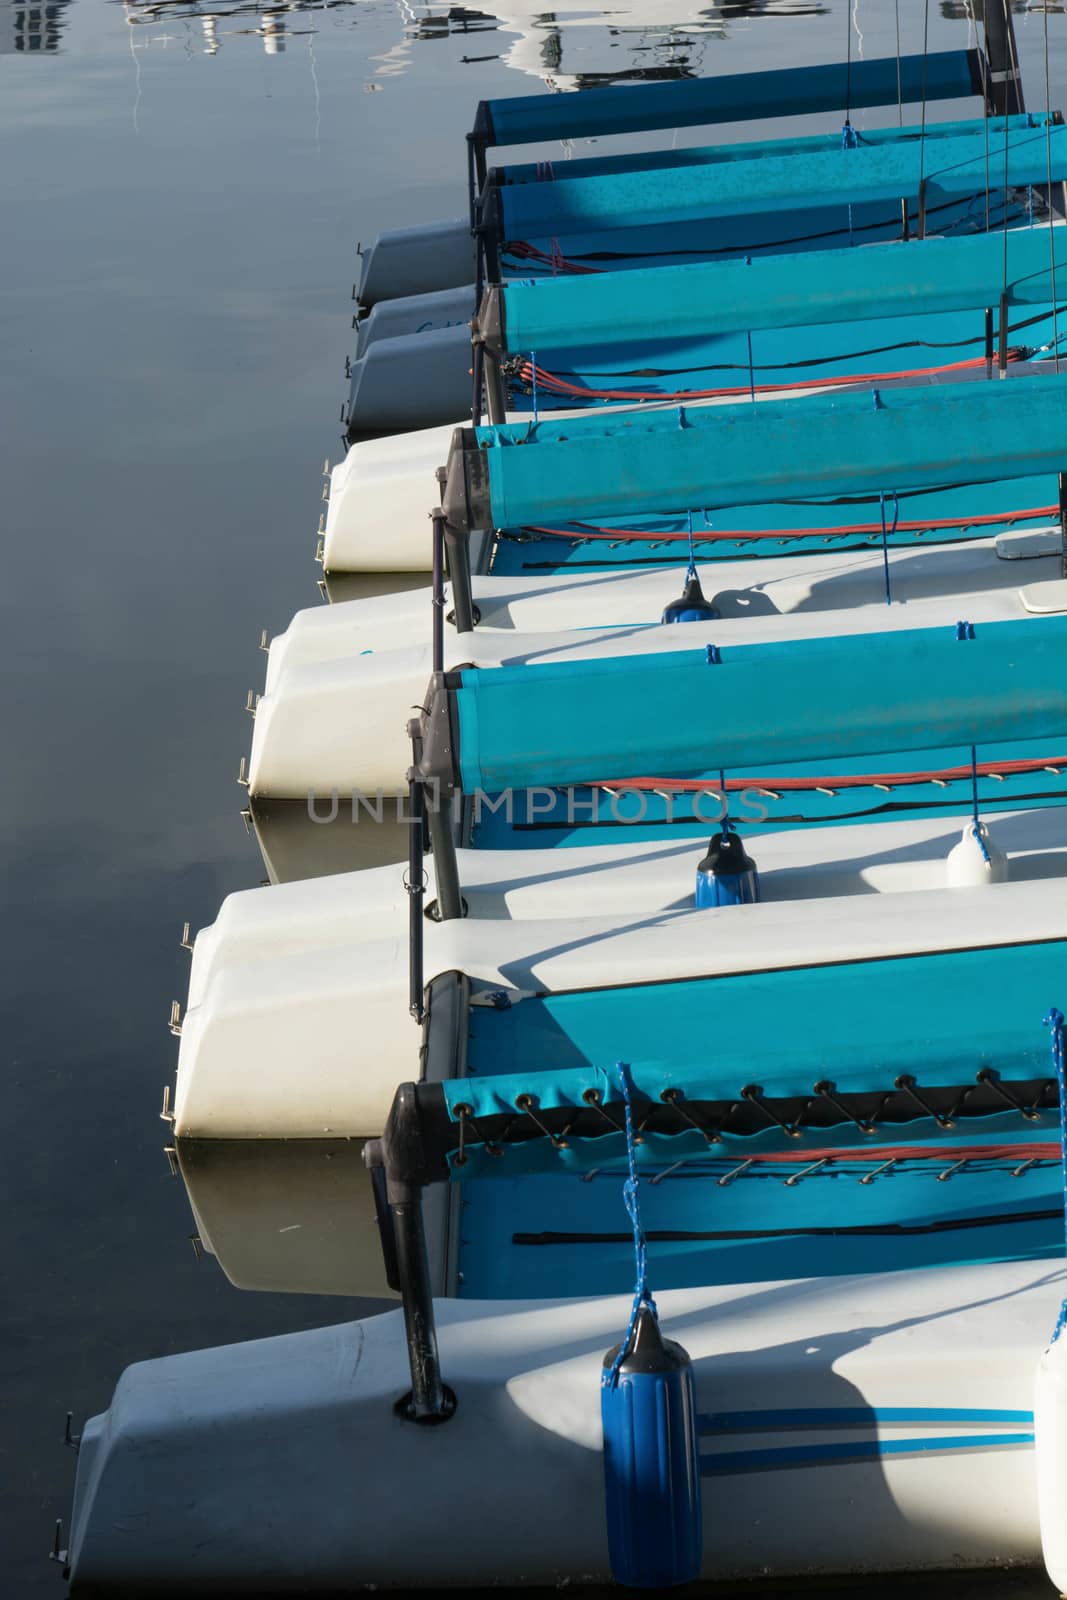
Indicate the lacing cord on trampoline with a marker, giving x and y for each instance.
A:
(751, 1110)
(553, 383)
(582, 532)
(829, 785)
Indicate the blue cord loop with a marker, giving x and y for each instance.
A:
(533, 370)
(1054, 1020)
(642, 1292)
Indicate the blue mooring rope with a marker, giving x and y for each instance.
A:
(1054, 1020)
(726, 823)
(974, 805)
(886, 534)
(642, 1292)
(691, 571)
(533, 371)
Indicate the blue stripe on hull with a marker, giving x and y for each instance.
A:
(727, 1463)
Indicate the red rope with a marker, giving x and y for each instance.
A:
(888, 780)
(557, 261)
(838, 531)
(554, 384)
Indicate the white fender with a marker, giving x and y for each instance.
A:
(977, 859)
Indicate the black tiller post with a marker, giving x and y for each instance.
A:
(496, 395)
(1005, 82)
(400, 1152)
(457, 545)
(438, 602)
(477, 381)
(416, 887)
(445, 865)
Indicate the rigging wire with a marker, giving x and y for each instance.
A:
(987, 92)
(848, 65)
(1048, 199)
(922, 123)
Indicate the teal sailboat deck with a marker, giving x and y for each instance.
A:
(744, 1086)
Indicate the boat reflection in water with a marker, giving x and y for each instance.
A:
(274, 24)
(564, 50)
(28, 28)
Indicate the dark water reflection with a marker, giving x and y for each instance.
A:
(180, 198)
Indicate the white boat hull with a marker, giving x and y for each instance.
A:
(282, 1465)
(636, 596)
(381, 496)
(269, 1126)
(296, 753)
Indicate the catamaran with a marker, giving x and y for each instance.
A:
(690, 1064)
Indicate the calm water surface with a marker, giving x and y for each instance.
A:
(182, 187)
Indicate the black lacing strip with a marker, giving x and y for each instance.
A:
(755, 1096)
(675, 1098)
(594, 1098)
(527, 1104)
(826, 1090)
(465, 1114)
(753, 1111)
(890, 1230)
(908, 1084)
(989, 1078)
